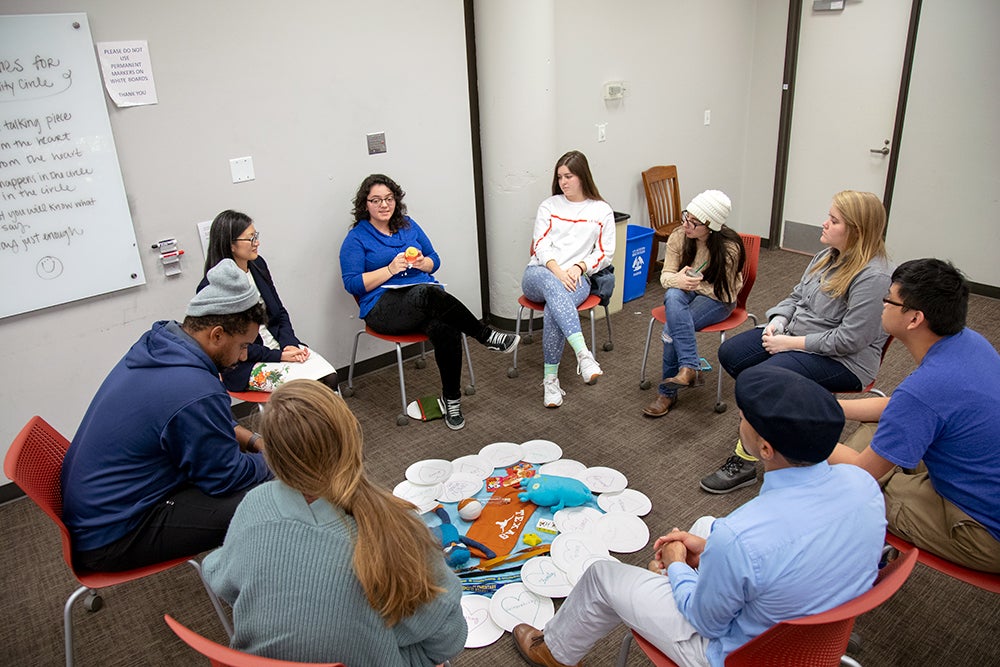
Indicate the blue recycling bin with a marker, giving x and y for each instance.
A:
(638, 251)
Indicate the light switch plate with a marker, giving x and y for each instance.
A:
(241, 169)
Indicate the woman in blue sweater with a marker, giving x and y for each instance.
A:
(388, 263)
(322, 565)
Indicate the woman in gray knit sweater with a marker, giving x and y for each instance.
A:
(322, 565)
(829, 328)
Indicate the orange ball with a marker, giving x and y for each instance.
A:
(469, 509)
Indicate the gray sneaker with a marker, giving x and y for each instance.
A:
(453, 413)
(735, 473)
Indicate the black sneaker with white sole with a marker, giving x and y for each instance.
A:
(453, 413)
(499, 341)
(735, 473)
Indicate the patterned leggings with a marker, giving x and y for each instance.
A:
(561, 318)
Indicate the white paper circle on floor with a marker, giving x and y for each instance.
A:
(577, 519)
(540, 575)
(570, 550)
(423, 496)
(563, 468)
(429, 471)
(482, 630)
(474, 464)
(629, 501)
(514, 603)
(540, 451)
(502, 454)
(622, 533)
(601, 479)
(460, 485)
(581, 567)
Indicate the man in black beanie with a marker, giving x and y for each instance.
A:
(811, 540)
(158, 464)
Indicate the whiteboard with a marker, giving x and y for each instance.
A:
(65, 228)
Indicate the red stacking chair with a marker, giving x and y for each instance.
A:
(986, 580)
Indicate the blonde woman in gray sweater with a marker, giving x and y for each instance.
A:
(322, 565)
(829, 328)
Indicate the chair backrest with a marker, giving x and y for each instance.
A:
(34, 462)
(821, 639)
(751, 243)
(223, 656)
(663, 197)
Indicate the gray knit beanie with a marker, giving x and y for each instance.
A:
(228, 291)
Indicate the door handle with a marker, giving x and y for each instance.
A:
(882, 151)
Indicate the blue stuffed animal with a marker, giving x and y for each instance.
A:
(456, 546)
(555, 492)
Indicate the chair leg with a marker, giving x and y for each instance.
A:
(512, 371)
(68, 623)
(848, 661)
(226, 625)
(402, 419)
(623, 651)
(471, 389)
(720, 407)
(593, 335)
(350, 370)
(608, 346)
(643, 383)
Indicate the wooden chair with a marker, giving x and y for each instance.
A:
(34, 462)
(663, 197)
(819, 640)
(751, 242)
(223, 656)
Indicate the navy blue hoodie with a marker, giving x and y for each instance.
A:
(160, 420)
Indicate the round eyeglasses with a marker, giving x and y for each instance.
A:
(253, 240)
(688, 219)
(378, 201)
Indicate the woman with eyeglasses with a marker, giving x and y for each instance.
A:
(322, 564)
(702, 273)
(573, 238)
(387, 263)
(277, 354)
(829, 328)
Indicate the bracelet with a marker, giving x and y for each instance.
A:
(391, 274)
(252, 442)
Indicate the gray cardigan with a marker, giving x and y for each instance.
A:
(286, 569)
(849, 328)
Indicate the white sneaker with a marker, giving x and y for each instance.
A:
(553, 392)
(587, 367)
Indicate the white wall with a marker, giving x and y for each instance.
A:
(947, 198)
(297, 86)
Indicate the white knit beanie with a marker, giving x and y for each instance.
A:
(711, 207)
(228, 292)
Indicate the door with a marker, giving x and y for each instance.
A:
(846, 88)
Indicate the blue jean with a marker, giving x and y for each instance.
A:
(686, 313)
(745, 350)
(561, 318)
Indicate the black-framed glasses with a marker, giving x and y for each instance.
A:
(889, 302)
(688, 219)
(378, 201)
(254, 239)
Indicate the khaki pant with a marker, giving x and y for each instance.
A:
(917, 514)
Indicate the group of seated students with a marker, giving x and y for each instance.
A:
(160, 469)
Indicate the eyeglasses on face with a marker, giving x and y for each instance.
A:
(378, 201)
(253, 240)
(889, 302)
(689, 219)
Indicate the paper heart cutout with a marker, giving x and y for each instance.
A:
(576, 550)
(546, 574)
(599, 481)
(524, 607)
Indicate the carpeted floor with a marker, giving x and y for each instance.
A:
(933, 620)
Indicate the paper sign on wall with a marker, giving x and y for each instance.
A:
(128, 72)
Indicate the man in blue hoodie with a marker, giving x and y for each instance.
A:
(158, 464)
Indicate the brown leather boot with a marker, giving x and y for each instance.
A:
(660, 406)
(686, 377)
(530, 643)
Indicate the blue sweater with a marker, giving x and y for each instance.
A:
(367, 249)
(160, 420)
(286, 568)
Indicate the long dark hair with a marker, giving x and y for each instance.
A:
(398, 219)
(716, 272)
(577, 164)
(226, 228)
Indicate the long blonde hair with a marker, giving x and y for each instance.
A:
(864, 216)
(313, 443)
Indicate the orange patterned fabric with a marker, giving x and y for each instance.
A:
(500, 524)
